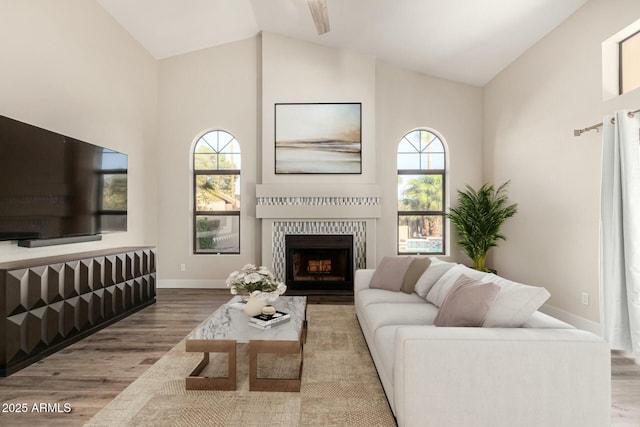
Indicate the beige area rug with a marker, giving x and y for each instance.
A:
(340, 386)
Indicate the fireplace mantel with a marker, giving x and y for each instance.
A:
(279, 201)
(317, 209)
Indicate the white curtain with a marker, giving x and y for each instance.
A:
(620, 232)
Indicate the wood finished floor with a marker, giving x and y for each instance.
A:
(91, 372)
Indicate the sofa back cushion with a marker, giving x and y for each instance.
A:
(512, 307)
(415, 271)
(467, 303)
(390, 273)
(515, 304)
(445, 283)
(431, 275)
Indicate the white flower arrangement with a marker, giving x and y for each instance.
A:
(255, 281)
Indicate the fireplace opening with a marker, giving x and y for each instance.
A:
(319, 262)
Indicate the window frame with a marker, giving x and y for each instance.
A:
(101, 174)
(425, 172)
(213, 213)
(100, 194)
(621, 89)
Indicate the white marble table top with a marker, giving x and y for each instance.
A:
(229, 323)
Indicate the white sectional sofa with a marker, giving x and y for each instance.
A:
(543, 372)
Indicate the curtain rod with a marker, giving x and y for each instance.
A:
(578, 132)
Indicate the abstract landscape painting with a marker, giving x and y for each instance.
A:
(318, 138)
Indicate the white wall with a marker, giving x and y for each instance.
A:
(215, 88)
(394, 101)
(530, 112)
(67, 66)
(73, 70)
(407, 100)
(297, 71)
(109, 91)
(235, 86)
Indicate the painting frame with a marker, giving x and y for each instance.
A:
(322, 138)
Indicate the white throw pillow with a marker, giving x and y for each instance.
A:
(431, 275)
(514, 304)
(443, 285)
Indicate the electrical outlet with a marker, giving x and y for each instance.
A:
(183, 267)
(585, 298)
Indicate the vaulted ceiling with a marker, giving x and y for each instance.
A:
(469, 41)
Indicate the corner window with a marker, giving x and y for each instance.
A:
(621, 62)
(630, 63)
(216, 190)
(421, 193)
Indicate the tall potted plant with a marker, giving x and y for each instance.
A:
(478, 218)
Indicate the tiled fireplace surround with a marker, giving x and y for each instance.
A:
(331, 209)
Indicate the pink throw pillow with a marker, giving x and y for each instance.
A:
(390, 273)
(467, 303)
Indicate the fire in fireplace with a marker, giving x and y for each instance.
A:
(319, 262)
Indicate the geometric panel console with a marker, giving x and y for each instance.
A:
(48, 303)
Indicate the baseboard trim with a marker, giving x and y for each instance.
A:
(572, 319)
(191, 284)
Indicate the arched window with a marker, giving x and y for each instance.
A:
(421, 193)
(216, 190)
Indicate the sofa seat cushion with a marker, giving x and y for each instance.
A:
(387, 314)
(384, 339)
(540, 320)
(385, 345)
(374, 296)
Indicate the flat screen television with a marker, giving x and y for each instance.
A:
(54, 186)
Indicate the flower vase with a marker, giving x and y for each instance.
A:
(254, 305)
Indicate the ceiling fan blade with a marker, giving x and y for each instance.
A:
(320, 15)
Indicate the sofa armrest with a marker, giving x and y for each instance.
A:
(362, 279)
(501, 377)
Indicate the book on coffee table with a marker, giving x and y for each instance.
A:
(263, 321)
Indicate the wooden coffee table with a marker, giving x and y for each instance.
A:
(229, 326)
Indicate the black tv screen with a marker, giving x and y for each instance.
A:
(53, 186)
